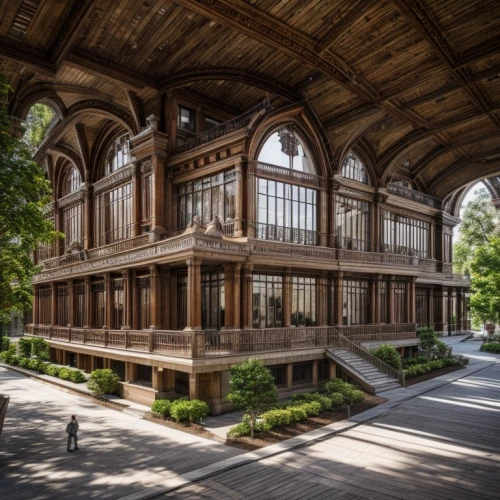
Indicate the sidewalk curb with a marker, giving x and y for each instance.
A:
(302, 441)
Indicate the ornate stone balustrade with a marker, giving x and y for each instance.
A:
(210, 344)
(286, 174)
(119, 246)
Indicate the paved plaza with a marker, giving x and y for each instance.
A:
(119, 453)
(435, 440)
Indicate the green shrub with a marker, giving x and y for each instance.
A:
(421, 360)
(312, 409)
(354, 396)
(43, 367)
(240, 430)
(441, 349)
(337, 399)
(276, 418)
(24, 362)
(77, 377)
(437, 364)
(161, 408)
(40, 348)
(24, 347)
(52, 370)
(103, 381)
(336, 385)
(389, 355)
(183, 410)
(325, 401)
(33, 364)
(6, 357)
(492, 347)
(65, 374)
(298, 413)
(5, 343)
(428, 338)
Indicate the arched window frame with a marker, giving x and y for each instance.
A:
(72, 181)
(118, 154)
(354, 169)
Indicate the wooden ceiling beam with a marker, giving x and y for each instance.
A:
(252, 22)
(357, 8)
(89, 63)
(26, 56)
(478, 53)
(69, 29)
(354, 114)
(455, 167)
(250, 78)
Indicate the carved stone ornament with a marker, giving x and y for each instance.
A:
(214, 228)
(194, 227)
(152, 122)
(289, 143)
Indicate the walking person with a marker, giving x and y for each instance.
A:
(72, 431)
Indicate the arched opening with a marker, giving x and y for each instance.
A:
(353, 168)
(71, 182)
(118, 154)
(285, 148)
(39, 121)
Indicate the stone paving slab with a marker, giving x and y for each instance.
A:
(120, 454)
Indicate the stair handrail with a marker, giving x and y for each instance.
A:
(368, 356)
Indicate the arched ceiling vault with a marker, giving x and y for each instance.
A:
(400, 80)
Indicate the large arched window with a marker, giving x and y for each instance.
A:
(286, 202)
(353, 168)
(72, 181)
(285, 148)
(118, 154)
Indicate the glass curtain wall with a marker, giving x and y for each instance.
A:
(405, 235)
(303, 301)
(267, 301)
(352, 223)
(356, 302)
(113, 215)
(206, 198)
(286, 212)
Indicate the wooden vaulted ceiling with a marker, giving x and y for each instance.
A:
(414, 80)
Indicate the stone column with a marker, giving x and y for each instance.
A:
(247, 296)
(109, 301)
(166, 303)
(71, 308)
(322, 239)
(238, 215)
(289, 375)
(323, 300)
(136, 200)
(88, 216)
(36, 305)
(88, 303)
(194, 388)
(315, 372)
(287, 297)
(339, 298)
(228, 295)
(460, 309)
(193, 294)
(390, 300)
(158, 200)
(251, 213)
(53, 309)
(155, 298)
(237, 296)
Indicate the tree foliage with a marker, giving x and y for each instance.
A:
(23, 226)
(252, 388)
(485, 278)
(479, 224)
(38, 122)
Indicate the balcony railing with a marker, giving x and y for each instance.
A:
(412, 195)
(223, 129)
(286, 174)
(210, 344)
(285, 234)
(119, 246)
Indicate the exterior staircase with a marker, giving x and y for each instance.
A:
(366, 375)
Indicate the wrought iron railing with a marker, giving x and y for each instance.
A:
(223, 129)
(285, 234)
(413, 195)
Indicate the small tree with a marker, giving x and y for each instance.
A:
(103, 381)
(252, 388)
(389, 355)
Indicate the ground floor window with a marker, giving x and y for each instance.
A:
(323, 369)
(267, 301)
(302, 373)
(356, 302)
(279, 375)
(181, 382)
(118, 367)
(144, 375)
(303, 301)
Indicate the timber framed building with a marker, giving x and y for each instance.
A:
(254, 196)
